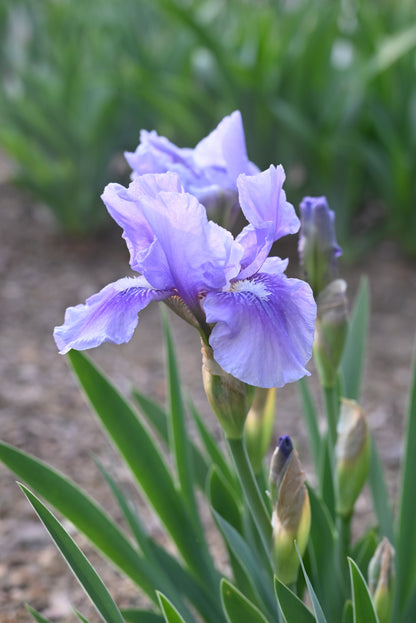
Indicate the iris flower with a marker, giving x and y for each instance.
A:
(209, 171)
(259, 323)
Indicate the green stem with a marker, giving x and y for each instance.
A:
(343, 524)
(251, 491)
(332, 412)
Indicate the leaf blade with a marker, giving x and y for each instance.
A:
(237, 607)
(81, 567)
(352, 362)
(293, 609)
(362, 603)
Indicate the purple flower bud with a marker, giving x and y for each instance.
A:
(318, 248)
(291, 518)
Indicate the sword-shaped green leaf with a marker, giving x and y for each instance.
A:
(79, 564)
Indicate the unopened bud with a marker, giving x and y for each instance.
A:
(259, 426)
(330, 331)
(291, 518)
(318, 248)
(352, 454)
(228, 397)
(381, 577)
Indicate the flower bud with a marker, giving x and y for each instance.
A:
(291, 517)
(330, 331)
(352, 454)
(318, 248)
(381, 576)
(229, 398)
(259, 426)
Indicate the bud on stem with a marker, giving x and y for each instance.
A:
(291, 513)
(352, 454)
(318, 248)
(381, 577)
(228, 397)
(330, 331)
(259, 426)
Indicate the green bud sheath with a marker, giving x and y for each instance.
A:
(352, 453)
(258, 428)
(228, 397)
(330, 331)
(381, 578)
(291, 518)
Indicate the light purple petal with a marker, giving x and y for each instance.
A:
(123, 205)
(189, 253)
(264, 329)
(108, 316)
(275, 265)
(209, 171)
(256, 243)
(263, 200)
(225, 149)
(156, 154)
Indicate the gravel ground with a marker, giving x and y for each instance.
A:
(43, 412)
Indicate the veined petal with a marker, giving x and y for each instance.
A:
(262, 200)
(264, 328)
(108, 316)
(123, 205)
(190, 253)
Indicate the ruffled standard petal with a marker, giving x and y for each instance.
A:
(263, 201)
(223, 152)
(123, 205)
(156, 154)
(190, 253)
(264, 328)
(111, 315)
(256, 244)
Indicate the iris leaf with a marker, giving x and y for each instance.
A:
(406, 534)
(381, 499)
(237, 607)
(138, 448)
(352, 362)
(36, 615)
(158, 419)
(362, 603)
(141, 616)
(81, 567)
(256, 575)
(317, 608)
(293, 609)
(83, 512)
(170, 613)
(311, 420)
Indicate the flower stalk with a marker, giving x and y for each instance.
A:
(251, 492)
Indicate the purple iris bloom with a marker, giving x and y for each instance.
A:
(259, 323)
(318, 248)
(209, 171)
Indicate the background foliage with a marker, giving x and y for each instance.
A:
(327, 89)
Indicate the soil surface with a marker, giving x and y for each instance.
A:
(43, 412)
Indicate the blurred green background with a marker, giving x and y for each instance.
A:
(326, 88)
